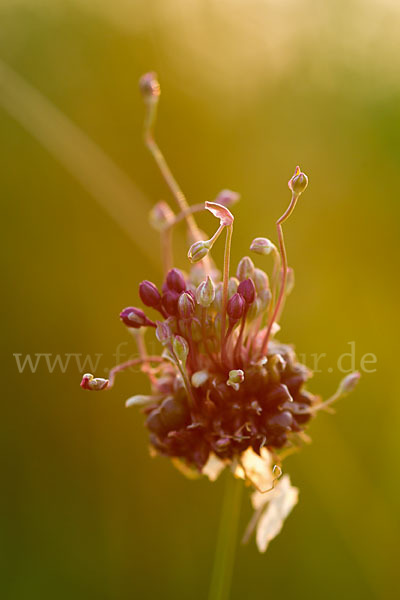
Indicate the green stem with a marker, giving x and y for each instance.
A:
(226, 543)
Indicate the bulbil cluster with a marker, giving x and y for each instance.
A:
(217, 395)
(221, 384)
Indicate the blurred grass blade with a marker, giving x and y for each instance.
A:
(80, 156)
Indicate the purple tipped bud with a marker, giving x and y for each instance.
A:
(281, 421)
(135, 317)
(349, 383)
(205, 293)
(175, 281)
(198, 251)
(186, 306)
(95, 384)
(227, 198)
(245, 268)
(298, 182)
(163, 332)
(149, 86)
(262, 246)
(236, 307)
(149, 294)
(247, 290)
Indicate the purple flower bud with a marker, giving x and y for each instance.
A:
(149, 294)
(135, 317)
(281, 421)
(227, 198)
(222, 444)
(175, 281)
(236, 306)
(186, 306)
(247, 289)
(170, 302)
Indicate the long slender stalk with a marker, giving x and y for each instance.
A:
(151, 113)
(153, 147)
(225, 280)
(131, 363)
(282, 249)
(227, 538)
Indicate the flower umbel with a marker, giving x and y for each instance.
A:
(224, 391)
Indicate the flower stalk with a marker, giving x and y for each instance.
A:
(227, 541)
(151, 103)
(225, 280)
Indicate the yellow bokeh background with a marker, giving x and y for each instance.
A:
(250, 88)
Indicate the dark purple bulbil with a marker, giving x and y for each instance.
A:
(236, 306)
(247, 289)
(170, 302)
(227, 422)
(149, 294)
(135, 318)
(175, 281)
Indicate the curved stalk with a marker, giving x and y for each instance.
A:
(282, 249)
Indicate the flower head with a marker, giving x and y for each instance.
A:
(224, 391)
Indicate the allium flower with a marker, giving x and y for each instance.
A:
(225, 393)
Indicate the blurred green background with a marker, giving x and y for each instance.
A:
(250, 88)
